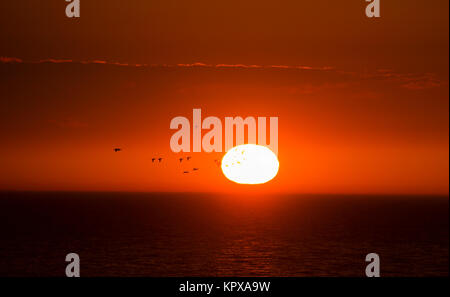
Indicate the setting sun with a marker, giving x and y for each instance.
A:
(250, 164)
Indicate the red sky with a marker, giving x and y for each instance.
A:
(362, 103)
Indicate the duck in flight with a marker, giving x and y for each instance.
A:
(116, 149)
(194, 169)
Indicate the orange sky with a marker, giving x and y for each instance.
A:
(367, 111)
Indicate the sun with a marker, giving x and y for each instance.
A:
(250, 164)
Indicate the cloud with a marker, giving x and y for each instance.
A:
(180, 65)
(10, 60)
(56, 61)
(253, 66)
(412, 81)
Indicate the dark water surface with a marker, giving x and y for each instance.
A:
(122, 234)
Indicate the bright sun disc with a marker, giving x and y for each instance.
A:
(250, 164)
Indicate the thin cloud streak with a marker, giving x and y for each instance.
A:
(181, 65)
(412, 81)
(10, 60)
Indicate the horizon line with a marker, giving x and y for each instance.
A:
(225, 193)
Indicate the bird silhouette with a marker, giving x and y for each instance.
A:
(153, 160)
(195, 169)
(181, 160)
(117, 149)
(185, 172)
(188, 158)
(160, 159)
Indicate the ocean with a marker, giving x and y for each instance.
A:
(157, 234)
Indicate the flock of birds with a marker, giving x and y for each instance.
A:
(160, 159)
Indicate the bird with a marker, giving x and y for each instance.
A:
(160, 159)
(194, 169)
(185, 171)
(153, 160)
(181, 160)
(188, 158)
(117, 149)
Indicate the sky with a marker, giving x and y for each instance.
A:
(362, 103)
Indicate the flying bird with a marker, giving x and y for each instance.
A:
(195, 169)
(153, 160)
(160, 159)
(185, 171)
(181, 160)
(188, 158)
(117, 149)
